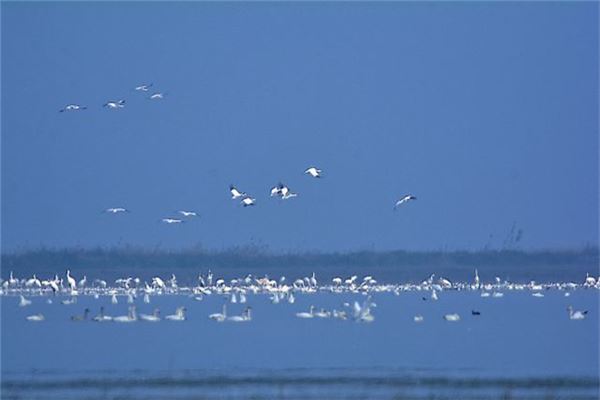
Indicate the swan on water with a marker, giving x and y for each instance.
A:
(309, 314)
(219, 317)
(178, 316)
(35, 318)
(452, 317)
(246, 316)
(24, 302)
(154, 317)
(130, 317)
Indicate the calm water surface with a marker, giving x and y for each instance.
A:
(519, 347)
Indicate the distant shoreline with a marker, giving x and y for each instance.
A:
(392, 265)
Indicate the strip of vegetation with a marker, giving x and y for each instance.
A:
(252, 257)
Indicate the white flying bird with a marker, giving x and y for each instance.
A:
(188, 213)
(156, 96)
(172, 220)
(235, 194)
(116, 210)
(276, 190)
(314, 172)
(283, 191)
(72, 107)
(143, 88)
(286, 193)
(113, 105)
(404, 199)
(248, 201)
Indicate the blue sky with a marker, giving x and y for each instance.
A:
(487, 112)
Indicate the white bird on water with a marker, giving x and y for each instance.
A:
(314, 172)
(24, 302)
(322, 314)
(404, 199)
(178, 316)
(589, 280)
(154, 317)
(71, 281)
(452, 317)
(35, 318)
(576, 315)
(33, 281)
(309, 314)
(158, 283)
(102, 317)
(70, 301)
(219, 317)
(83, 317)
(246, 316)
(130, 317)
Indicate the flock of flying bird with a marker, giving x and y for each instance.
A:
(116, 104)
(237, 291)
(280, 190)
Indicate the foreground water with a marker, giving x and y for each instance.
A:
(520, 346)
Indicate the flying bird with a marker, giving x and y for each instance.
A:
(404, 199)
(235, 194)
(282, 191)
(188, 213)
(172, 220)
(314, 172)
(113, 105)
(156, 96)
(72, 107)
(248, 201)
(116, 210)
(276, 190)
(286, 193)
(143, 88)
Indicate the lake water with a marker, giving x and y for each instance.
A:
(519, 347)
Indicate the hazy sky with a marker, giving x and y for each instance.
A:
(487, 112)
